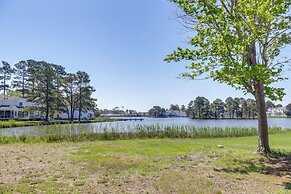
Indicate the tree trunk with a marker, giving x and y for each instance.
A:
(68, 112)
(72, 113)
(47, 114)
(263, 146)
(263, 141)
(80, 104)
(47, 103)
(71, 104)
(33, 88)
(4, 85)
(22, 87)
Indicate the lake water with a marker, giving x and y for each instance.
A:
(161, 122)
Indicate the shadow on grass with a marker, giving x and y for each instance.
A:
(242, 166)
(287, 185)
(277, 163)
(280, 165)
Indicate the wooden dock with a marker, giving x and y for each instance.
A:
(133, 119)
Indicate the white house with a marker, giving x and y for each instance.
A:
(112, 113)
(13, 107)
(84, 115)
(276, 111)
(175, 113)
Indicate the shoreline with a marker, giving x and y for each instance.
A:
(19, 123)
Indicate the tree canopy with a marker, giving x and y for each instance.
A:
(238, 42)
(228, 32)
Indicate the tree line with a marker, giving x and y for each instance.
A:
(49, 86)
(233, 108)
(201, 108)
(288, 110)
(159, 112)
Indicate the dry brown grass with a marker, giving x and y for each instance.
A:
(139, 166)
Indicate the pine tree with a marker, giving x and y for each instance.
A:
(5, 76)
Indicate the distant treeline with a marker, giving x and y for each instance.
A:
(232, 108)
(49, 86)
(201, 108)
(238, 108)
(159, 112)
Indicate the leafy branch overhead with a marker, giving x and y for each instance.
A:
(227, 33)
(238, 42)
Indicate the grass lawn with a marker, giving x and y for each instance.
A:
(195, 165)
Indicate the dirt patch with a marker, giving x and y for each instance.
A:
(25, 165)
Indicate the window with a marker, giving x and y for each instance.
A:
(20, 104)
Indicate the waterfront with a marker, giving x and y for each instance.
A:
(125, 126)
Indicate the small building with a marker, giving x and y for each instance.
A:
(87, 115)
(276, 111)
(175, 113)
(143, 114)
(112, 113)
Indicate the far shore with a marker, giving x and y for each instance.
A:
(27, 123)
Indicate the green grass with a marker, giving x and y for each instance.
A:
(141, 154)
(32, 187)
(279, 117)
(154, 165)
(14, 123)
(154, 157)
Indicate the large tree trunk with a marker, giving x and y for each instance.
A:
(259, 93)
(263, 146)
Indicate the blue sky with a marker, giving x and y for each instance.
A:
(121, 44)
